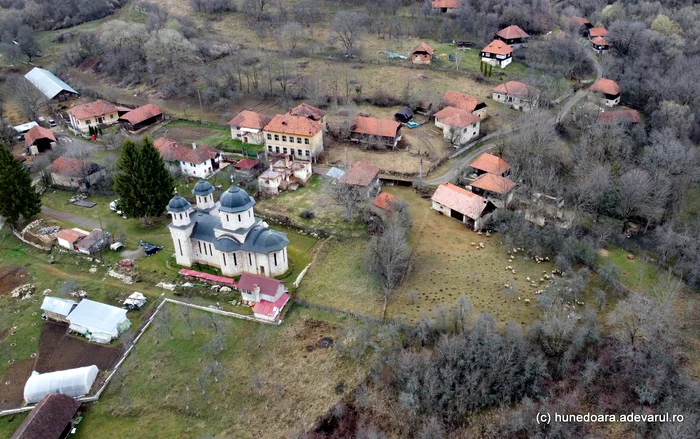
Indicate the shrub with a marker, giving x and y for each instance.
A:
(306, 214)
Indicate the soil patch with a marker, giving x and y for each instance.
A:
(187, 135)
(603, 253)
(11, 278)
(17, 375)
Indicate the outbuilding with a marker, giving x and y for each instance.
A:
(461, 205)
(51, 418)
(267, 296)
(67, 238)
(50, 85)
(422, 54)
(72, 382)
(404, 115)
(56, 308)
(513, 36)
(97, 321)
(376, 132)
(141, 118)
(39, 139)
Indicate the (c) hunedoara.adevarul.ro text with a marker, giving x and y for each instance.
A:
(547, 418)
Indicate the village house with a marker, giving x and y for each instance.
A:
(68, 238)
(458, 126)
(489, 163)
(445, 5)
(309, 112)
(364, 175)
(606, 91)
(513, 36)
(497, 53)
(622, 115)
(248, 127)
(57, 309)
(97, 321)
(385, 203)
(267, 296)
(195, 161)
(94, 114)
(375, 132)
(50, 85)
(465, 102)
(422, 54)
(299, 136)
(461, 205)
(596, 32)
(518, 95)
(141, 118)
(51, 418)
(247, 168)
(39, 139)
(495, 188)
(75, 173)
(600, 44)
(285, 174)
(225, 234)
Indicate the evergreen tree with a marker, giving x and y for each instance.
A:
(127, 181)
(17, 195)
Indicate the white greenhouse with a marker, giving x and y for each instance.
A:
(97, 321)
(71, 382)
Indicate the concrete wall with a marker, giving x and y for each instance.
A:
(254, 136)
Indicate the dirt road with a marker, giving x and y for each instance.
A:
(81, 221)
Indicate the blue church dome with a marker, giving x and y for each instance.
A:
(235, 200)
(178, 204)
(202, 188)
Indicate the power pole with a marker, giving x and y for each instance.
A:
(103, 237)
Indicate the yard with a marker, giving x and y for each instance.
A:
(217, 136)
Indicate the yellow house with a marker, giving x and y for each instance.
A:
(93, 114)
(297, 136)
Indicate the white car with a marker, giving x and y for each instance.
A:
(114, 206)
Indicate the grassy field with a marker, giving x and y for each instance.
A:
(271, 382)
(187, 132)
(637, 274)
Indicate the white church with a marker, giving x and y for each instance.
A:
(225, 234)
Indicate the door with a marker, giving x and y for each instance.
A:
(245, 140)
(262, 270)
(100, 120)
(456, 215)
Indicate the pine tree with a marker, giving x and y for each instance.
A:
(157, 182)
(127, 182)
(17, 195)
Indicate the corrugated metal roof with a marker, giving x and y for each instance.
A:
(48, 83)
(58, 305)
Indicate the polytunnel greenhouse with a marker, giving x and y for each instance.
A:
(71, 382)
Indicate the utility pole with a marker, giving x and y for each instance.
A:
(346, 158)
(420, 170)
(103, 237)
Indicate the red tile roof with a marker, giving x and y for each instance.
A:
(579, 20)
(92, 109)
(289, 124)
(361, 174)
(490, 163)
(268, 285)
(449, 4)
(37, 133)
(141, 114)
(515, 88)
(208, 277)
(628, 115)
(461, 200)
(423, 47)
(67, 166)
(600, 41)
(385, 201)
(512, 32)
(271, 309)
(49, 418)
(493, 183)
(309, 111)
(607, 86)
(250, 119)
(247, 164)
(497, 47)
(460, 100)
(172, 151)
(597, 32)
(456, 117)
(70, 235)
(375, 127)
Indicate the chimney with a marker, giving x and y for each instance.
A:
(194, 145)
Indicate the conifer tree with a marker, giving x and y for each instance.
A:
(157, 182)
(126, 182)
(17, 195)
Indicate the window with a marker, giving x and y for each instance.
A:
(179, 244)
(200, 246)
(284, 138)
(306, 141)
(291, 139)
(298, 139)
(235, 262)
(277, 137)
(211, 252)
(111, 116)
(269, 148)
(239, 217)
(299, 152)
(250, 213)
(307, 153)
(277, 149)
(269, 137)
(274, 255)
(285, 150)
(88, 122)
(224, 256)
(250, 259)
(226, 217)
(180, 216)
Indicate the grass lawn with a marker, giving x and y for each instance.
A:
(8, 424)
(636, 274)
(269, 384)
(218, 136)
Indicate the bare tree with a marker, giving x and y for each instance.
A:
(350, 197)
(388, 253)
(633, 319)
(348, 27)
(289, 36)
(31, 100)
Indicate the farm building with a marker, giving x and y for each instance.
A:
(39, 139)
(97, 321)
(517, 95)
(299, 136)
(606, 91)
(462, 205)
(50, 85)
(309, 112)
(284, 175)
(267, 296)
(94, 114)
(195, 161)
(141, 118)
(497, 53)
(75, 173)
(445, 5)
(624, 115)
(72, 382)
(596, 32)
(226, 234)
(67, 238)
(248, 127)
(422, 54)
(580, 22)
(404, 115)
(465, 102)
(600, 44)
(364, 175)
(57, 308)
(92, 243)
(247, 168)
(376, 132)
(385, 203)
(458, 126)
(496, 189)
(513, 36)
(491, 164)
(51, 418)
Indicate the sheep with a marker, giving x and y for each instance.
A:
(513, 271)
(527, 300)
(473, 244)
(527, 279)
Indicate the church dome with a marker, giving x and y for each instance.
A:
(202, 188)
(235, 200)
(266, 240)
(178, 204)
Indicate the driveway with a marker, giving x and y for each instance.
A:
(81, 221)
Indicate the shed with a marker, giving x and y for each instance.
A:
(38, 139)
(135, 301)
(50, 85)
(51, 418)
(57, 308)
(68, 237)
(461, 205)
(72, 382)
(404, 115)
(422, 54)
(94, 242)
(97, 321)
(141, 117)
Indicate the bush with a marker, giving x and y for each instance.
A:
(306, 214)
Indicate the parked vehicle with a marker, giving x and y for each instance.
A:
(151, 249)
